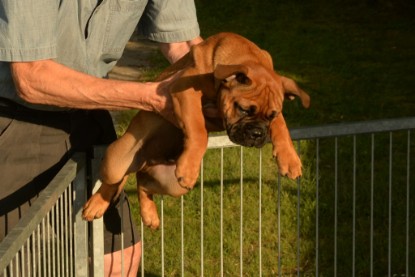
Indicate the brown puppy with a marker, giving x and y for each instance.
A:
(227, 83)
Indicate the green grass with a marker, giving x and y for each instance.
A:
(356, 59)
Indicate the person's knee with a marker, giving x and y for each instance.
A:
(125, 261)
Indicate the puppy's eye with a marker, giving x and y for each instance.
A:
(245, 111)
(242, 79)
(272, 115)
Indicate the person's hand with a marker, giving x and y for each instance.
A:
(165, 105)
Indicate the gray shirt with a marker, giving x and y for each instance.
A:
(85, 35)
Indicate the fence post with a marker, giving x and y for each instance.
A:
(97, 224)
(80, 225)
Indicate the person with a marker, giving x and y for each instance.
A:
(55, 97)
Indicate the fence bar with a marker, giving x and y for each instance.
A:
(162, 234)
(344, 129)
(317, 203)
(241, 227)
(182, 232)
(202, 236)
(372, 183)
(279, 224)
(260, 212)
(390, 207)
(97, 229)
(80, 225)
(354, 210)
(335, 203)
(298, 217)
(408, 170)
(221, 212)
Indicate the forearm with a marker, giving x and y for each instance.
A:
(174, 51)
(47, 82)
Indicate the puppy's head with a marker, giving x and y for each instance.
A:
(251, 97)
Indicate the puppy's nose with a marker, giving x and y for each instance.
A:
(255, 133)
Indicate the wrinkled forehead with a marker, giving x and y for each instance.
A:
(266, 84)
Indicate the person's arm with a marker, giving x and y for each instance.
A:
(174, 51)
(50, 83)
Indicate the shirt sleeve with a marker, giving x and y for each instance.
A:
(28, 29)
(169, 21)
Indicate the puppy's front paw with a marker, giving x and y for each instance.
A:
(98, 203)
(187, 174)
(289, 164)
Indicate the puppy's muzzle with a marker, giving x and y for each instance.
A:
(248, 134)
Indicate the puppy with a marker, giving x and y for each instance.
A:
(226, 83)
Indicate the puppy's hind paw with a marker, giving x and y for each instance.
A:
(150, 218)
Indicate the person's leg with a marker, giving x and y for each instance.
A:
(118, 223)
(120, 231)
(131, 257)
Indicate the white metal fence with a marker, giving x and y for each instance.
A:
(51, 240)
(351, 214)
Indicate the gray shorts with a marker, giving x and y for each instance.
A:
(34, 145)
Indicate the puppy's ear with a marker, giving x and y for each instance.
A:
(231, 75)
(291, 90)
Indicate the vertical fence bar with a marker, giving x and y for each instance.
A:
(408, 170)
(53, 242)
(97, 225)
(260, 212)
(122, 199)
(80, 225)
(221, 212)
(298, 216)
(182, 233)
(33, 254)
(335, 204)
(390, 208)
(71, 256)
(202, 235)
(28, 259)
(372, 185)
(17, 265)
(241, 227)
(354, 210)
(60, 237)
(44, 246)
(279, 223)
(143, 248)
(162, 234)
(317, 203)
(66, 235)
(48, 235)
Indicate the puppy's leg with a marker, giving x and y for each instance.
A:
(120, 159)
(158, 179)
(98, 203)
(148, 209)
(188, 109)
(283, 149)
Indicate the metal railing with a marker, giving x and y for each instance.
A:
(51, 240)
(351, 214)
